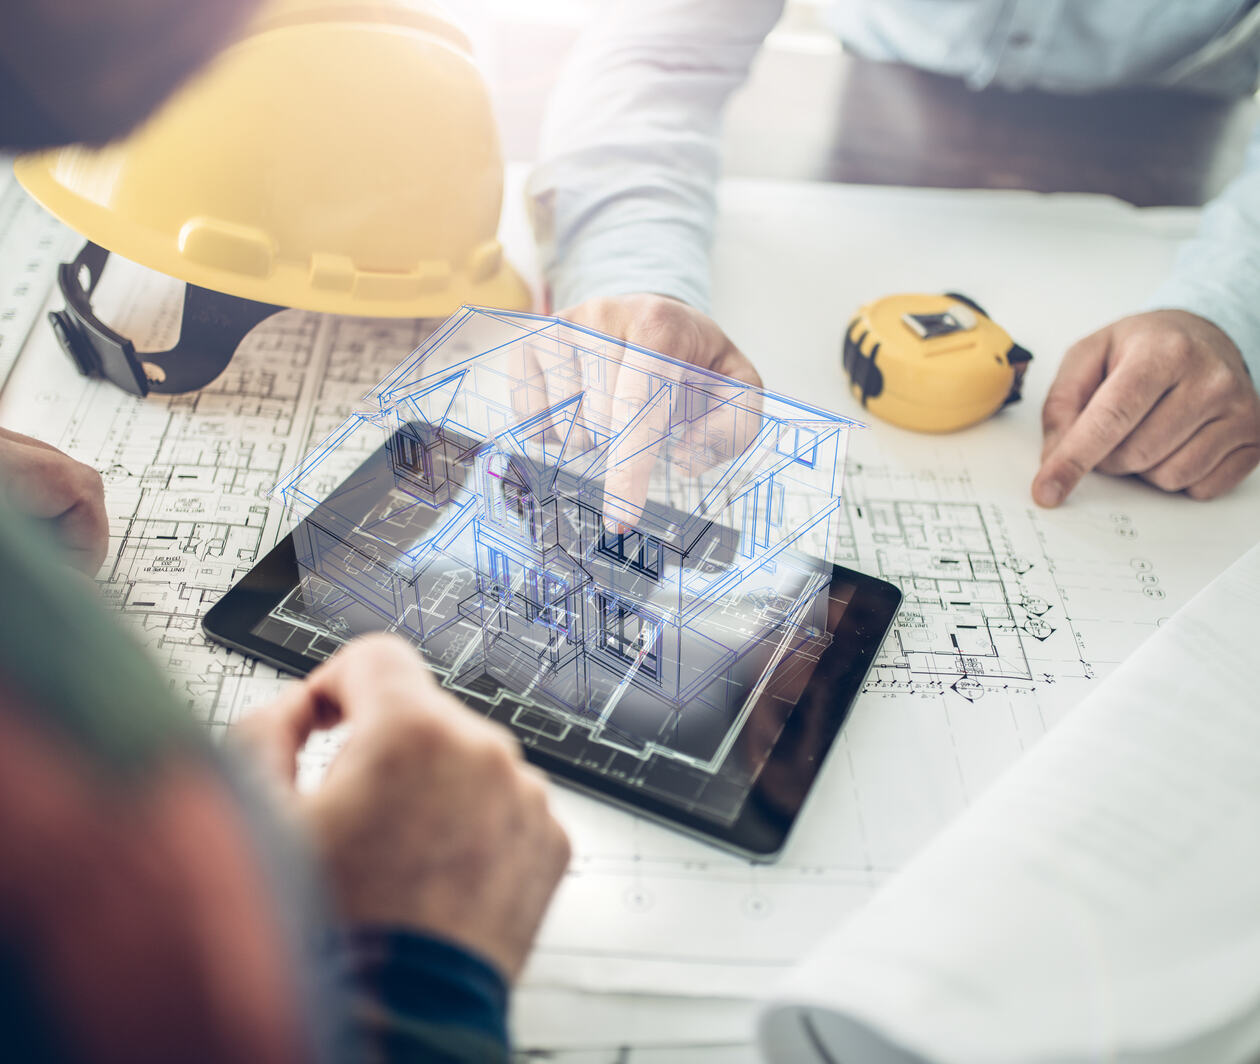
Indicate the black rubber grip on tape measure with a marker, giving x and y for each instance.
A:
(861, 368)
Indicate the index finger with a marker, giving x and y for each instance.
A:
(323, 700)
(379, 677)
(1082, 370)
(1114, 410)
(366, 677)
(30, 441)
(644, 402)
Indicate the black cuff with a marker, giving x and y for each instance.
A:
(429, 981)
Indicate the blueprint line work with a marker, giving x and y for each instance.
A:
(643, 908)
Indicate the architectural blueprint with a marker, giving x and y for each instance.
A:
(1011, 613)
(188, 477)
(32, 245)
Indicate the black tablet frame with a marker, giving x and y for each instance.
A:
(761, 829)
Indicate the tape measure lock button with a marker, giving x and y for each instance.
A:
(945, 323)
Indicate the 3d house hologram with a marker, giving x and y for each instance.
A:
(605, 538)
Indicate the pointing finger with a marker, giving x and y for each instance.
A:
(1082, 371)
(1115, 410)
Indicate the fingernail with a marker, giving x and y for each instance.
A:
(1048, 493)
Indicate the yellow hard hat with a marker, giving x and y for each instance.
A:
(341, 156)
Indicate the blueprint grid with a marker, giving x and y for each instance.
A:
(1010, 615)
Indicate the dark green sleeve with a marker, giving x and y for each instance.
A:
(419, 998)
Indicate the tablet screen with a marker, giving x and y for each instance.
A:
(718, 724)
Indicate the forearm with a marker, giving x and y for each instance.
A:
(417, 998)
(1217, 273)
(623, 199)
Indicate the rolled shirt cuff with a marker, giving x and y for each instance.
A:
(626, 256)
(1230, 300)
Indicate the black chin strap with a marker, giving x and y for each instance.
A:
(213, 326)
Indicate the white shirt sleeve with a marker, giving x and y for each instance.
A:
(1217, 273)
(624, 198)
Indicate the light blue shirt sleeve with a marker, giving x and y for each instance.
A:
(624, 199)
(1217, 273)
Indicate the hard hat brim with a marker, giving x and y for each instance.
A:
(283, 283)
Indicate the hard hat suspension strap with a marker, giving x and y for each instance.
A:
(213, 326)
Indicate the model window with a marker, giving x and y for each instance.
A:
(500, 582)
(777, 501)
(548, 602)
(798, 443)
(519, 510)
(627, 636)
(642, 553)
(412, 457)
(509, 503)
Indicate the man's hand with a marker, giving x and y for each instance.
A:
(428, 817)
(668, 326)
(685, 335)
(1164, 395)
(67, 494)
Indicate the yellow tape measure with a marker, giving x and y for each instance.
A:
(933, 363)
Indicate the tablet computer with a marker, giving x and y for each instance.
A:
(718, 727)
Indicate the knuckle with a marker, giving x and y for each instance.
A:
(1080, 348)
(594, 311)
(1110, 420)
(657, 316)
(420, 733)
(90, 481)
(561, 845)
(1116, 465)
(1167, 478)
(1220, 383)
(497, 761)
(381, 651)
(1132, 458)
(534, 793)
(531, 801)
(500, 734)
(1202, 492)
(1055, 411)
(1173, 347)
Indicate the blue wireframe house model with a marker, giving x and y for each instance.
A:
(614, 540)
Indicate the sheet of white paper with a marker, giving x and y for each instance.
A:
(568, 1019)
(977, 668)
(1050, 600)
(1100, 901)
(680, 1054)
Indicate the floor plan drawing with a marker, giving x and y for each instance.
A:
(188, 477)
(977, 616)
(1010, 612)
